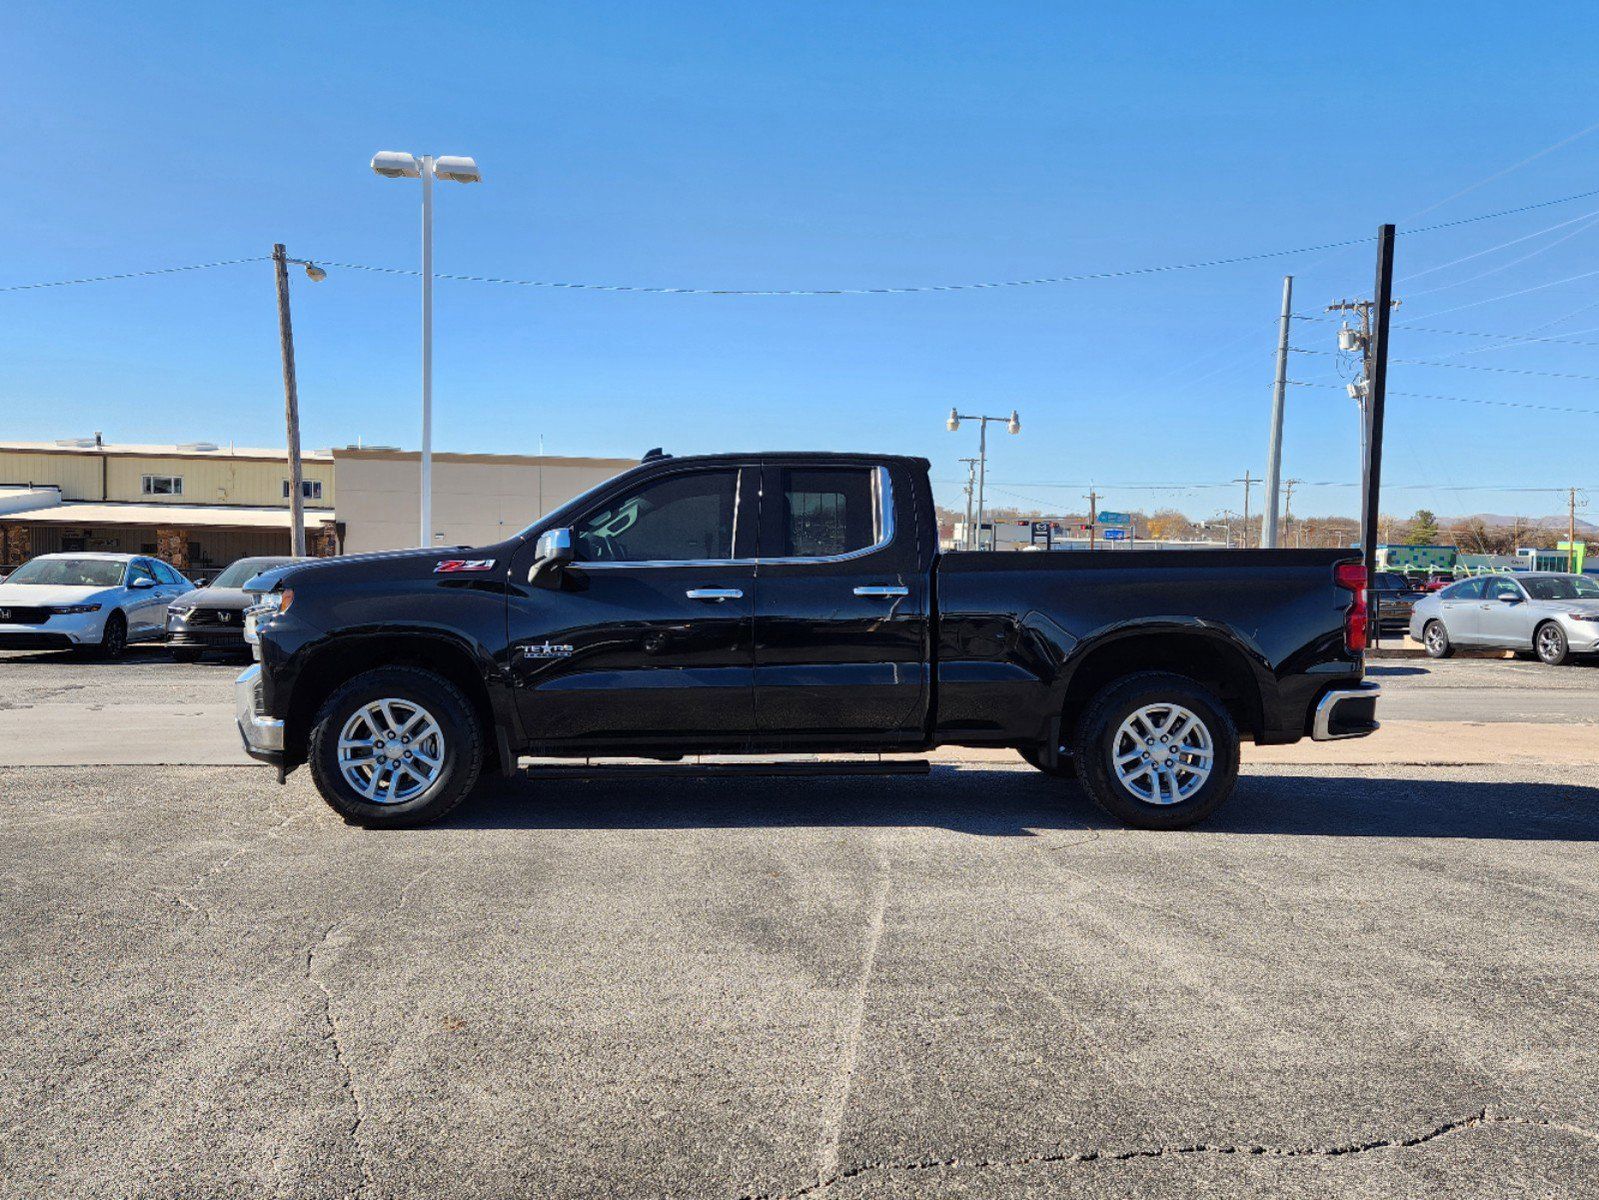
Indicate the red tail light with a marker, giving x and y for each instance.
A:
(1352, 577)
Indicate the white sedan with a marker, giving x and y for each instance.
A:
(93, 603)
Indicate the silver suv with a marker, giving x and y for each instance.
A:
(1546, 613)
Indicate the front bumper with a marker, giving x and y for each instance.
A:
(56, 632)
(1346, 713)
(207, 629)
(263, 735)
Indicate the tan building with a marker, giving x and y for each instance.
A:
(198, 505)
(478, 499)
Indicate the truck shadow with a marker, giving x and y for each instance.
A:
(1012, 803)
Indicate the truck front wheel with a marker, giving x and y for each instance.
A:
(1157, 751)
(394, 747)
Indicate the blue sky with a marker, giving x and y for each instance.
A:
(811, 146)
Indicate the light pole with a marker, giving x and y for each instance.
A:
(394, 164)
(1013, 424)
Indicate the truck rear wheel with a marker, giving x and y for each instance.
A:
(1157, 751)
(395, 747)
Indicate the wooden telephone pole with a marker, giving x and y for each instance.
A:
(1093, 515)
(291, 405)
(1248, 483)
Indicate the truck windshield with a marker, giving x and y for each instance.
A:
(70, 572)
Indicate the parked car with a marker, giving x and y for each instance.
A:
(1394, 597)
(90, 603)
(1547, 613)
(666, 614)
(212, 617)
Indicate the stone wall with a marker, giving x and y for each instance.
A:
(173, 546)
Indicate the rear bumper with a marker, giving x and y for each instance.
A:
(263, 735)
(1346, 713)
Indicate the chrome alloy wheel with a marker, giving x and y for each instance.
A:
(1163, 753)
(391, 751)
(1550, 642)
(1433, 636)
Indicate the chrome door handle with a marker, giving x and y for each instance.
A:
(717, 594)
(882, 593)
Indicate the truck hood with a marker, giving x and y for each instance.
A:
(30, 595)
(306, 572)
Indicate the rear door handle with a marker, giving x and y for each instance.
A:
(716, 594)
(882, 593)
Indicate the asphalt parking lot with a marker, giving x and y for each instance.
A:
(1368, 979)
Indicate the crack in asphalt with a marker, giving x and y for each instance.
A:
(211, 872)
(1483, 1117)
(348, 1072)
(837, 1096)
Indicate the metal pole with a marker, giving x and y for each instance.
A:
(971, 483)
(427, 351)
(1274, 446)
(982, 476)
(291, 404)
(1372, 468)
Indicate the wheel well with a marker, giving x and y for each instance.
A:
(341, 661)
(1206, 661)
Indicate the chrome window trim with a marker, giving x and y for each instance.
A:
(882, 520)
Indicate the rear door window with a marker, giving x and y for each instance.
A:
(828, 512)
(1469, 589)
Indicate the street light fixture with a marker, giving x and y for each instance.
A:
(395, 164)
(1013, 424)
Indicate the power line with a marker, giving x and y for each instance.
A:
(1087, 276)
(227, 262)
(1425, 362)
(1526, 237)
(1471, 187)
(1589, 412)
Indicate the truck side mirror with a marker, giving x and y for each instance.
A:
(553, 551)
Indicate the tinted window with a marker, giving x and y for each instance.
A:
(1501, 587)
(140, 570)
(165, 573)
(688, 516)
(70, 572)
(1470, 589)
(827, 512)
(1387, 581)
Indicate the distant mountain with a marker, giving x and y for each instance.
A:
(1558, 523)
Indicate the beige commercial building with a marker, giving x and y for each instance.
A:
(198, 505)
(478, 499)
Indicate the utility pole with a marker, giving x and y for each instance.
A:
(971, 483)
(291, 404)
(1093, 515)
(1350, 339)
(1274, 445)
(1288, 506)
(1376, 397)
(1248, 483)
(1574, 497)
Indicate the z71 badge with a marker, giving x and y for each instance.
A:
(454, 566)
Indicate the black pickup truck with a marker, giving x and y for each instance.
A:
(790, 603)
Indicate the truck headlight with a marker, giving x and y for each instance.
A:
(67, 610)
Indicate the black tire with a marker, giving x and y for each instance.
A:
(1435, 640)
(186, 654)
(1550, 645)
(460, 730)
(113, 643)
(1100, 729)
(1064, 768)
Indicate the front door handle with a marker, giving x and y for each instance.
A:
(714, 594)
(882, 593)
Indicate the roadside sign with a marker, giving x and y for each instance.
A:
(1115, 535)
(1115, 518)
